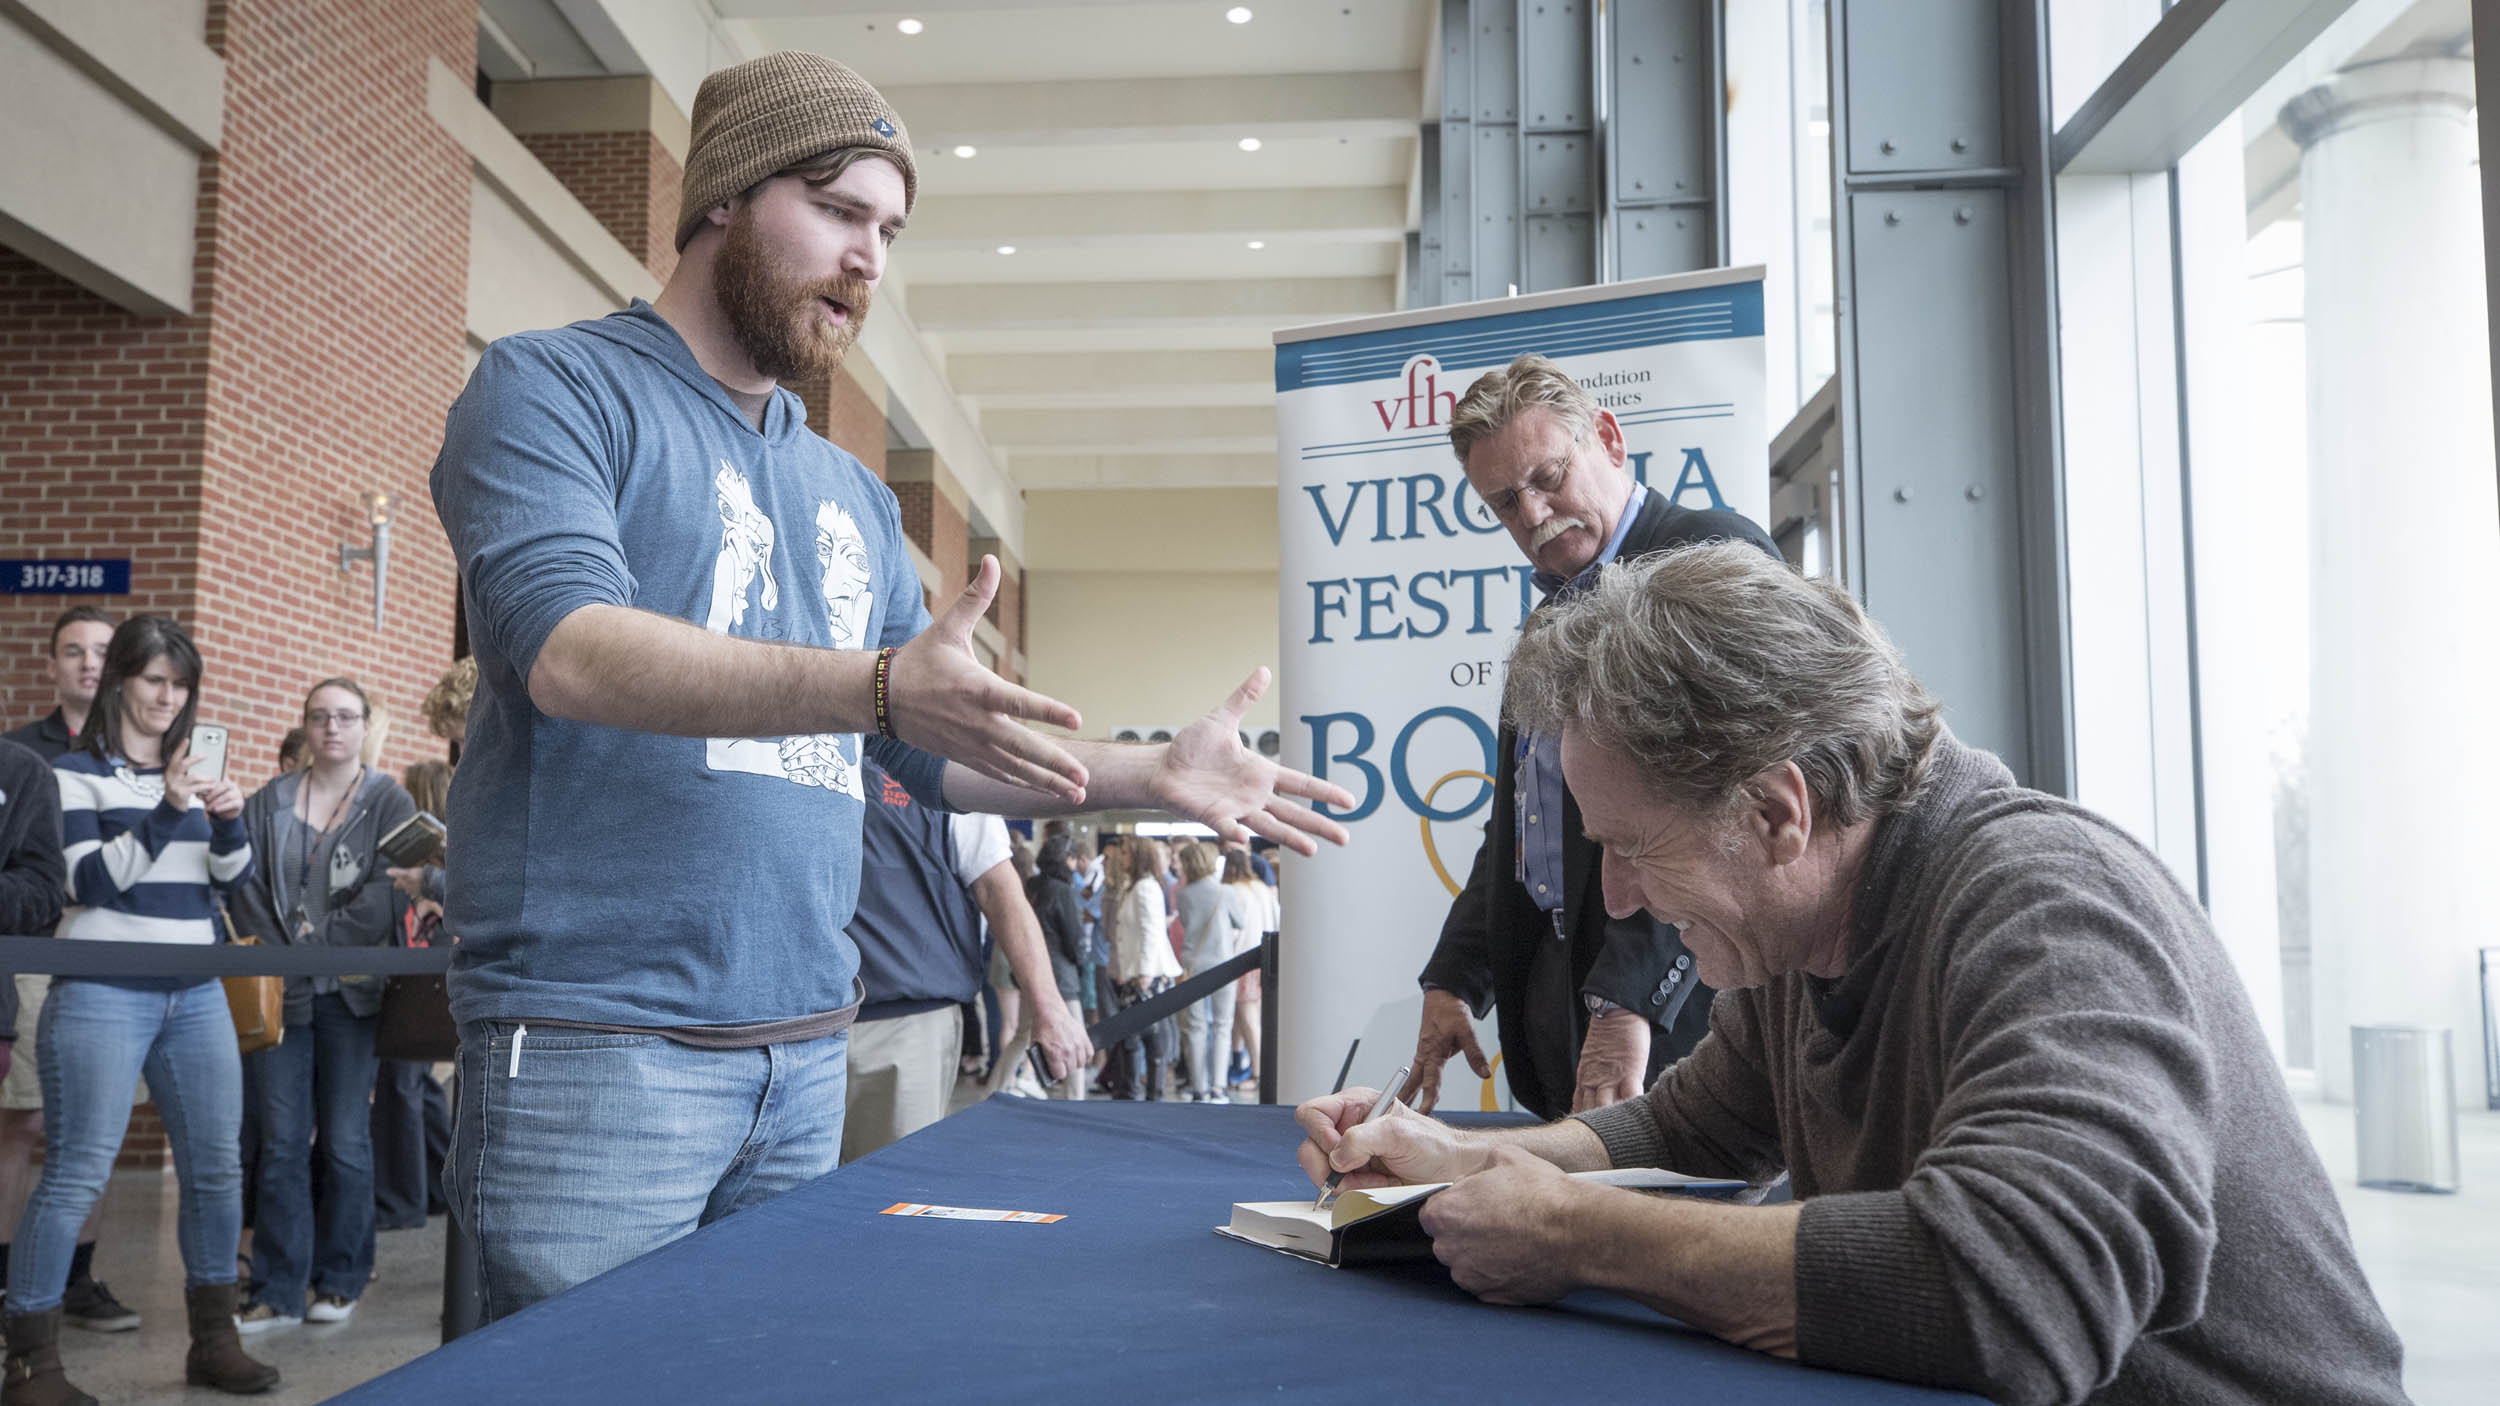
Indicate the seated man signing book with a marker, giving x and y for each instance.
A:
(2040, 1148)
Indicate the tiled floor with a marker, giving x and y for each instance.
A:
(2435, 1261)
(398, 1318)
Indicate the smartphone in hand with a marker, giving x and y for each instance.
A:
(208, 752)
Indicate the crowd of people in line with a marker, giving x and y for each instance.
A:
(290, 1158)
(1147, 914)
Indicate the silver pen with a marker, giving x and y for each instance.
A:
(1380, 1105)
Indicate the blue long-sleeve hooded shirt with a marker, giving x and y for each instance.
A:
(617, 877)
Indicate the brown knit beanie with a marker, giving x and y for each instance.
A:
(766, 115)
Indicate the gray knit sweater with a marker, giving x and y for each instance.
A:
(2043, 1150)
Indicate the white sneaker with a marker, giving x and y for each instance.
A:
(329, 1308)
(260, 1318)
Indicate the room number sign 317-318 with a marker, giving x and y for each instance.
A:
(65, 578)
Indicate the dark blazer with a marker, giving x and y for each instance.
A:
(1487, 942)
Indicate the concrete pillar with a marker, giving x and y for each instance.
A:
(2404, 557)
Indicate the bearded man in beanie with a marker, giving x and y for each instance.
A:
(689, 612)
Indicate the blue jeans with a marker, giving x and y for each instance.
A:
(94, 1040)
(1207, 1033)
(1149, 1050)
(319, 1076)
(595, 1148)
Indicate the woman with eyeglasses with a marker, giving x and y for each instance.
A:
(322, 882)
(149, 848)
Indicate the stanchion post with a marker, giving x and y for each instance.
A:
(1268, 997)
(461, 1306)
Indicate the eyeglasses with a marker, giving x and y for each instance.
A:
(316, 718)
(1545, 483)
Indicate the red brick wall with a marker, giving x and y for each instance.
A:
(337, 309)
(222, 452)
(627, 180)
(102, 414)
(842, 412)
(950, 539)
(937, 527)
(914, 499)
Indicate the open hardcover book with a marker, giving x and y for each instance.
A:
(1384, 1224)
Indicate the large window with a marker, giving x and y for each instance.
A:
(2283, 535)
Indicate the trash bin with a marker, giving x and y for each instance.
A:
(2404, 1097)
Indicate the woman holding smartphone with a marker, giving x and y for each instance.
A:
(149, 846)
(322, 882)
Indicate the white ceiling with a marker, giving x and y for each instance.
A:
(969, 41)
(1125, 343)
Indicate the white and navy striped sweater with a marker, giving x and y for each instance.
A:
(139, 870)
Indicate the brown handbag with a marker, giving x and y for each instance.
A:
(257, 1002)
(415, 1020)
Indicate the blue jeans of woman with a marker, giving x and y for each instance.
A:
(94, 1040)
(1207, 1033)
(1150, 1050)
(320, 1077)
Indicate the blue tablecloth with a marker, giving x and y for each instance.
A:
(818, 1297)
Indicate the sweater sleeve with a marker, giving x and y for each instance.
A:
(102, 869)
(2063, 1205)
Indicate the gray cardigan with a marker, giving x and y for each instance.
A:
(361, 913)
(2043, 1149)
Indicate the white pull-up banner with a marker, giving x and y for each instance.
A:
(1401, 596)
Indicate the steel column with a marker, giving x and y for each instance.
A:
(1948, 360)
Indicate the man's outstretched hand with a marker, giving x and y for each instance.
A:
(1207, 775)
(944, 703)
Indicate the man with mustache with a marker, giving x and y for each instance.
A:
(656, 825)
(1590, 1007)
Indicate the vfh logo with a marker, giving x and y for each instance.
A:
(1425, 406)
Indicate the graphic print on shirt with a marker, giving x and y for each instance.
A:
(347, 869)
(746, 552)
(830, 760)
(843, 557)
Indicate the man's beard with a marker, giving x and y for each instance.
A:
(779, 322)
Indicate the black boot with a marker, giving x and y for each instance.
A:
(217, 1358)
(34, 1376)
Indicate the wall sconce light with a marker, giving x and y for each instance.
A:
(378, 506)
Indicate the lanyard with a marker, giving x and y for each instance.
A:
(321, 842)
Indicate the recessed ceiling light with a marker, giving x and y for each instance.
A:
(1258, 243)
(1249, 144)
(907, 26)
(1006, 248)
(967, 151)
(1239, 14)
